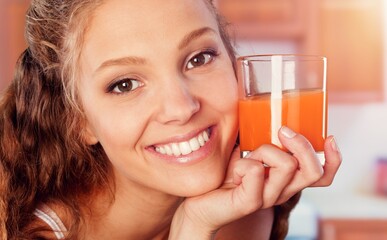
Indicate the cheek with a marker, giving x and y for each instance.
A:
(110, 121)
(222, 97)
(225, 94)
(229, 99)
(114, 128)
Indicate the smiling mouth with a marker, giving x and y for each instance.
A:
(185, 147)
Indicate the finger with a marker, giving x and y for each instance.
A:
(333, 161)
(309, 167)
(282, 168)
(303, 151)
(249, 176)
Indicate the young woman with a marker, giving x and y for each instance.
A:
(121, 123)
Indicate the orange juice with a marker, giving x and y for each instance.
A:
(303, 111)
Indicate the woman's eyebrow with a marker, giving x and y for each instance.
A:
(194, 35)
(122, 61)
(141, 61)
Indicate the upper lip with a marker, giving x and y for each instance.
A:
(181, 138)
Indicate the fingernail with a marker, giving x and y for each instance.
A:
(287, 132)
(334, 145)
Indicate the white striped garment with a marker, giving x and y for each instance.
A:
(46, 214)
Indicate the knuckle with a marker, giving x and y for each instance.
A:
(256, 169)
(303, 143)
(325, 182)
(315, 176)
(339, 161)
(263, 149)
(290, 165)
(270, 201)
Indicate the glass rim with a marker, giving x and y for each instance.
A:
(286, 57)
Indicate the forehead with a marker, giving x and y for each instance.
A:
(150, 15)
(129, 23)
(150, 9)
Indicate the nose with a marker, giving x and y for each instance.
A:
(178, 104)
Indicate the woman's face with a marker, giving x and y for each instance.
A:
(156, 80)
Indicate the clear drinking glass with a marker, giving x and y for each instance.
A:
(277, 90)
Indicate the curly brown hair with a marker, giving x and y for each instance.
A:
(43, 153)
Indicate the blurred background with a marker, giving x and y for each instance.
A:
(352, 35)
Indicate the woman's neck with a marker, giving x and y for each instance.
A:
(136, 212)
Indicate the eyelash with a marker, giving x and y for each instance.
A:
(212, 54)
(136, 83)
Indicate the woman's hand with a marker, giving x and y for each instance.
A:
(310, 172)
(268, 176)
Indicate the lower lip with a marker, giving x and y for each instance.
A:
(193, 157)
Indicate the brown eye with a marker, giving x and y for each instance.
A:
(200, 60)
(124, 85)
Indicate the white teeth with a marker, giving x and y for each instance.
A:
(194, 144)
(205, 136)
(168, 150)
(162, 150)
(184, 148)
(176, 149)
(201, 140)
